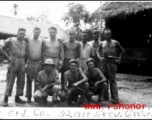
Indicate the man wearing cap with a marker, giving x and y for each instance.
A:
(47, 83)
(18, 52)
(34, 63)
(86, 50)
(96, 80)
(52, 48)
(95, 44)
(77, 84)
(107, 53)
(72, 50)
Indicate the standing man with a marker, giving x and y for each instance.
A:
(86, 51)
(34, 63)
(52, 48)
(74, 78)
(72, 50)
(96, 80)
(18, 52)
(95, 44)
(108, 51)
(47, 83)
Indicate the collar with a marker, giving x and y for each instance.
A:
(87, 44)
(44, 73)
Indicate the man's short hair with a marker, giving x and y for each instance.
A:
(36, 28)
(84, 32)
(21, 29)
(53, 28)
(71, 30)
(107, 29)
(95, 31)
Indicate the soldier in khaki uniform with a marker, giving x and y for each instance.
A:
(47, 83)
(34, 63)
(18, 52)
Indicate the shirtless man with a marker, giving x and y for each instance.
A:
(95, 44)
(75, 83)
(52, 48)
(72, 50)
(96, 80)
(108, 50)
(34, 63)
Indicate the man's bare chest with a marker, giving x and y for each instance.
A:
(108, 46)
(95, 45)
(35, 44)
(72, 46)
(52, 45)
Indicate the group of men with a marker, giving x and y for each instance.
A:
(87, 68)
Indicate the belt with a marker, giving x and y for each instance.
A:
(111, 58)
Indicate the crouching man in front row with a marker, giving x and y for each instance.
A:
(77, 84)
(96, 80)
(47, 83)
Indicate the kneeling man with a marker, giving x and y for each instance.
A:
(96, 80)
(77, 84)
(47, 83)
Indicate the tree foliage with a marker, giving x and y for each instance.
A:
(15, 9)
(76, 13)
(42, 17)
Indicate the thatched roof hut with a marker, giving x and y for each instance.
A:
(131, 22)
(111, 9)
(131, 25)
(9, 27)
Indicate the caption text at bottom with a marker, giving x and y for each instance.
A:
(77, 113)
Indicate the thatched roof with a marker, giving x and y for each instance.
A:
(10, 26)
(111, 9)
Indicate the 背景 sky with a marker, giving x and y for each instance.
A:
(55, 9)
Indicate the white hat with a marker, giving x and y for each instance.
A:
(49, 62)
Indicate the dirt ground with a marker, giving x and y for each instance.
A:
(132, 90)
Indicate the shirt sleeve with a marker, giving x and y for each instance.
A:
(57, 77)
(6, 44)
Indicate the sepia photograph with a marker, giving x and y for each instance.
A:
(75, 54)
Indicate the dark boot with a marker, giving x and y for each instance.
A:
(29, 100)
(99, 101)
(19, 100)
(35, 100)
(115, 101)
(5, 102)
(55, 103)
(44, 99)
